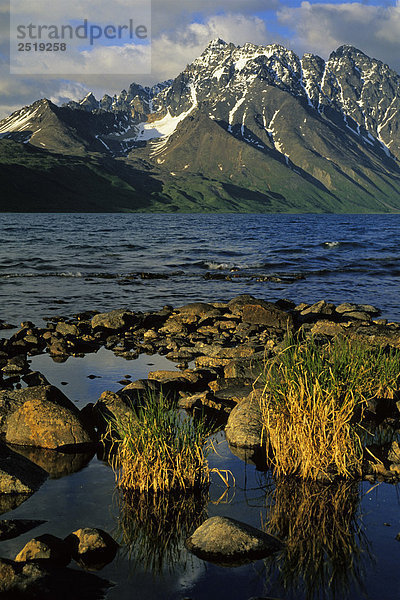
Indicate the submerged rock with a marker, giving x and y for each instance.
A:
(230, 542)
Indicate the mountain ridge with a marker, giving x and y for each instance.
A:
(253, 128)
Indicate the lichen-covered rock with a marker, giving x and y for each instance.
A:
(244, 427)
(227, 541)
(47, 549)
(198, 309)
(114, 320)
(267, 314)
(116, 408)
(41, 416)
(91, 547)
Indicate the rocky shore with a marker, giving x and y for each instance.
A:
(219, 350)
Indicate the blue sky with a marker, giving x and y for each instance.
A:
(182, 28)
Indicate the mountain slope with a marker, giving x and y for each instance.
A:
(249, 128)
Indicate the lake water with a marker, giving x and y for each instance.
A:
(339, 546)
(60, 264)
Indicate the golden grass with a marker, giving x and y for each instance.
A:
(313, 403)
(159, 450)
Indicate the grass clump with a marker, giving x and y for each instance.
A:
(313, 402)
(157, 449)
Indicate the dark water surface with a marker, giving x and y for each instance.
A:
(340, 545)
(59, 264)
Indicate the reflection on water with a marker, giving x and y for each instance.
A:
(56, 463)
(153, 528)
(327, 552)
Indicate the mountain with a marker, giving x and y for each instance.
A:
(251, 128)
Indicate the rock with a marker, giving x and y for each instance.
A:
(267, 314)
(92, 548)
(18, 580)
(34, 379)
(172, 382)
(9, 502)
(10, 529)
(227, 541)
(114, 320)
(175, 326)
(328, 328)
(211, 362)
(67, 329)
(16, 364)
(18, 475)
(43, 417)
(348, 307)
(114, 407)
(198, 309)
(322, 308)
(394, 452)
(236, 304)
(245, 368)
(46, 582)
(376, 335)
(244, 427)
(46, 548)
(208, 401)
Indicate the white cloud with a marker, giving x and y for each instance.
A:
(171, 52)
(321, 28)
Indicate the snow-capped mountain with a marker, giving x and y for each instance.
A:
(254, 126)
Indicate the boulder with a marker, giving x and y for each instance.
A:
(17, 364)
(376, 335)
(43, 417)
(259, 312)
(198, 309)
(65, 329)
(114, 320)
(18, 475)
(45, 548)
(91, 547)
(244, 427)
(227, 541)
(328, 328)
(114, 407)
(348, 307)
(245, 368)
(321, 308)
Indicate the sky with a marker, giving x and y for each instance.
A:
(180, 30)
